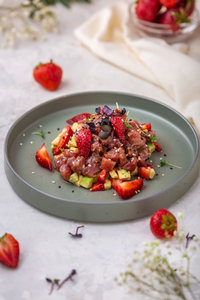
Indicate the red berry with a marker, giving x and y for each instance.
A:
(127, 189)
(67, 132)
(43, 158)
(172, 18)
(102, 176)
(97, 187)
(119, 128)
(169, 3)
(9, 250)
(49, 75)
(158, 147)
(83, 142)
(163, 224)
(80, 117)
(147, 9)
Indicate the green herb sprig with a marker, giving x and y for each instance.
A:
(40, 133)
(164, 163)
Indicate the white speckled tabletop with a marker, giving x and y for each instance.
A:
(46, 248)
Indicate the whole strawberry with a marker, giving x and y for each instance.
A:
(49, 75)
(9, 250)
(163, 224)
(169, 3)
(172, 18)
(83, 141)
(147, 9)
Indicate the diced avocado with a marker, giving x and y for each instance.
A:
(73, 178)
(135, 171)
(86, 182)
(123, 174)
(107, 184)
(74, 126)
(151, 147)
(113, 174)
(78, 183)
(72, 142)
(152, 173)
(54, 143)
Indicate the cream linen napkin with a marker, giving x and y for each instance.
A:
(107, 34)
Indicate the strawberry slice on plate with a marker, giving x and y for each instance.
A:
(127, 189)
(102, 176)
(119, 128)
(97, 187)
(43, 158)
(83, 141)
(146, 172)
(67, 132)
(9, 250)
(80, 117)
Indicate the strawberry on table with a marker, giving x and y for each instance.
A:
(43, 158)
(127, 189)
(66, 133)
(80, 117)
(49, 75)
(163, 224)
(119, 128)
(83, 141)
(9, 250)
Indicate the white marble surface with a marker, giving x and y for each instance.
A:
(46, 248)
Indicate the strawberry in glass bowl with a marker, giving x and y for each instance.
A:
(172, 20)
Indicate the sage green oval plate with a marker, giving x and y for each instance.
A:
(48, 192)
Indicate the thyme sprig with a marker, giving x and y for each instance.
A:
(40, 133)
(164, 163)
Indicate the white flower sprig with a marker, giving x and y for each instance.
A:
(161, 270)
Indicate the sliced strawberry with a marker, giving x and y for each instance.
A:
(146, 126)
(97, 187)
(102, 176)
(127, 189)
(83, 141)
(43, 158)
(119, 128)
(67, 132)
(80, 117)
(158, 147)
(146, 172)
(9, 250)
(163, 224)
(169, 3)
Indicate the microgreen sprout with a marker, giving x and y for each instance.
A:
(76, 234)
(40, 133)
(53, 283)
(62, 149)
(69, 277)
(164, 163)
(188, 239)
(152, 138)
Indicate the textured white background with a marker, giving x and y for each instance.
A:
(46, 248)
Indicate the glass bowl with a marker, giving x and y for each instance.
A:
(156, 30)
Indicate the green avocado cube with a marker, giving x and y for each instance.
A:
(73, 178)
(78, 183)
(86, 182)
(113, 174)
(123, 174)
(107, 184)
(151, 147)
